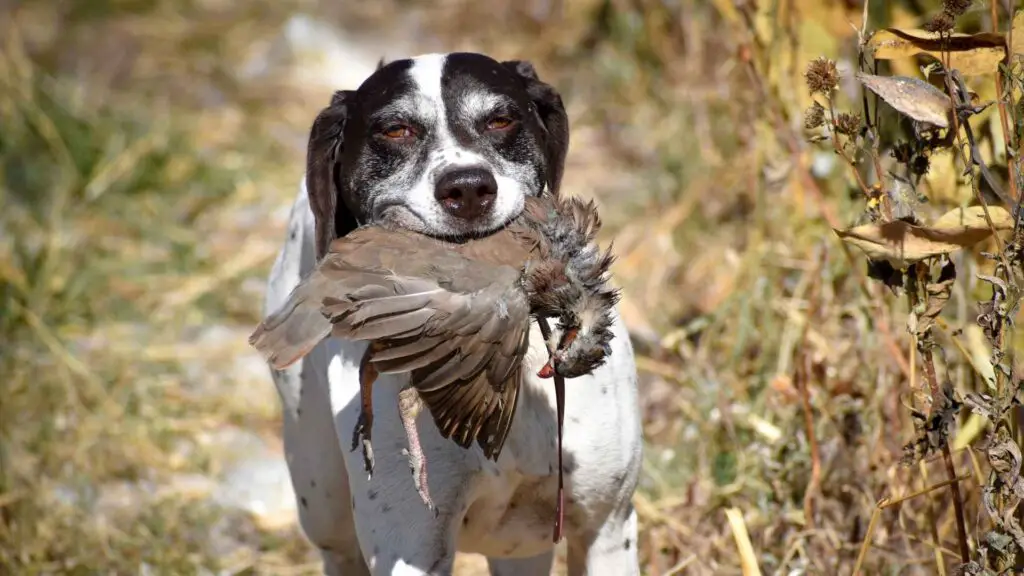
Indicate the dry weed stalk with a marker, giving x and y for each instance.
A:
(917, 260)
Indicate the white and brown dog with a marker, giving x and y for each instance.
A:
(448, 145)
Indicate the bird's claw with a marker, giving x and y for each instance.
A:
(419, 480)
(368, 458)
(361, 436)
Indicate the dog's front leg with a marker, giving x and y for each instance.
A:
(611, 549)
(397, 532)
(315, 460)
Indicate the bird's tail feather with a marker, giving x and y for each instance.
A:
(291, 332)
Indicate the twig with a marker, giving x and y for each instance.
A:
(921, 492)
(959, 97)
(947, 458)
(929, 512)
(651, 512)
(748, 560)
(1011, 161)
(888, 502)
(802, 375)
(928, 363)
(866, 543)
(681, 565)
(958, 94)
(833, 123)
(872, 127)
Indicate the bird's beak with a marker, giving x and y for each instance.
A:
(546, 371)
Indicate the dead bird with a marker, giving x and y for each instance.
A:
(456, 316)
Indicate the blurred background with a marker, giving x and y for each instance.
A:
(149, 154)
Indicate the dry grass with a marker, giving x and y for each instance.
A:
(141, 181)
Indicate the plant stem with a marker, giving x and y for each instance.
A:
(803, 374)
(947, 458)
(1011, 161)
(833, 128)
(924, 342)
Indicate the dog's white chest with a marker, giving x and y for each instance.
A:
(511, 508)
(507, 508)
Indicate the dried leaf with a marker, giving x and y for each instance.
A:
(997, 282)
(903, 198)
(997, 547)
(884, 272)
(911, 97)
(1004, 456)
(969, 431)
(971, 568)
(901, 243)
(971, 54)
(938, 293)
(985, 405)
(944, 184)
(974, 217)
(931, 432)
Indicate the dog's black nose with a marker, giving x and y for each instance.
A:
(466, 193)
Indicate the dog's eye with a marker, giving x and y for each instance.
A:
(398, 132)
(499, 123)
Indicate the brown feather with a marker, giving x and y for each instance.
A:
(455, 315)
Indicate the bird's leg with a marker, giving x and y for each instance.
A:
(361, 435)
(409, 406)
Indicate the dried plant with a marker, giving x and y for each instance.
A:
(919, 261)
(779, 382)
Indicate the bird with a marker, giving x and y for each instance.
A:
(455, 315)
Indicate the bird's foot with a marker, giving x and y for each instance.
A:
(361, 436)
(419, 477)
(408, 409)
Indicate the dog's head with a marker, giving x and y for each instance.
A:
(448, 145)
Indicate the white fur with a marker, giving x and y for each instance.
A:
(477, 104)
(426, 73)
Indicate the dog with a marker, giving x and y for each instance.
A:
(448, 145)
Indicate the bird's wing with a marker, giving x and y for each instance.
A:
(459, 326)
(294, 329)
(365, 261)
(464, 349)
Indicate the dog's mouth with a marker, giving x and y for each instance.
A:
(399, 215)
(395, 215)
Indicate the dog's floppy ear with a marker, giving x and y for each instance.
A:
(552, 114)
(326, 140)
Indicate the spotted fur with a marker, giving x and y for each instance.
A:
(501, 509)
